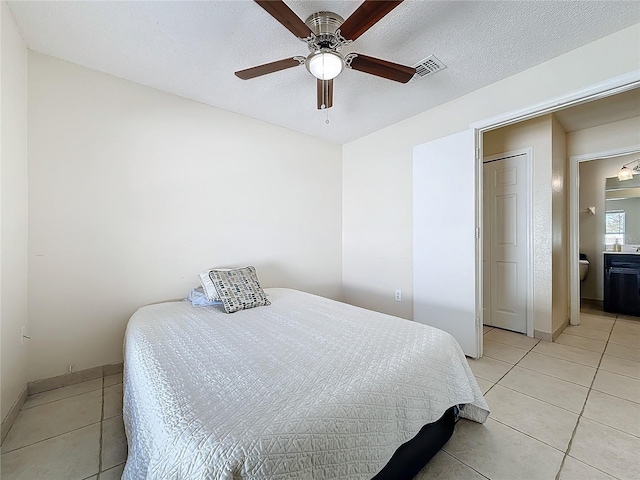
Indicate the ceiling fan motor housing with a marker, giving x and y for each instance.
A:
(324, 26)
(324, 62)
(324, 22)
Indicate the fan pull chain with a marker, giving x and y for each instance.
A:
(324, 104)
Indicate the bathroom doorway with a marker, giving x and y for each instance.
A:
(591, 203)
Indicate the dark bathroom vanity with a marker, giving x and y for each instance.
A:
(622, 283)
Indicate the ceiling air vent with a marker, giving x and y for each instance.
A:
(428, 66)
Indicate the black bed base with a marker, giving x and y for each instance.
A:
(413, 455)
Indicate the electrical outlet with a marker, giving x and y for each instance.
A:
(398, 295)
(71, 365)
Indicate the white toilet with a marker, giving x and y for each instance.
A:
(584, 268)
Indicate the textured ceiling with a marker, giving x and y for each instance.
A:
(192, 49)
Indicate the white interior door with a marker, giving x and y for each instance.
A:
(505, 243)
(486, 252)
(444, 238)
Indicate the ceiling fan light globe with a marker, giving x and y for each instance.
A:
(325, 65)
(625, 173)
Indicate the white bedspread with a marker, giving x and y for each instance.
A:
(306, 388)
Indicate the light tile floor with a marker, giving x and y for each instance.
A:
(566, 410)
(74, 432)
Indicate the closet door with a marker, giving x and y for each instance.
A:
(486, 250)
(505, 243)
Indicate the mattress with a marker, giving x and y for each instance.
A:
(307, 388)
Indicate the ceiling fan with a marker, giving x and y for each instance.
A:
(326, 33)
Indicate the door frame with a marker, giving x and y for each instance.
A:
(574, 220)
(528, 153)
(606, 88)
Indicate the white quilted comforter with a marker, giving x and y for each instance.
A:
(306, 388)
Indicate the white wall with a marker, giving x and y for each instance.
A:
(377, 186)
(593, 175)
(609, 136)
(134, 191)
(535, 133)
(13, 205)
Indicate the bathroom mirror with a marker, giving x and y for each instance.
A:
(622, 216)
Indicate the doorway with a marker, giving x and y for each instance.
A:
(506, 246)
(595, 273)
(607, 88)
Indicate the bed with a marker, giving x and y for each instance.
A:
(306, 388)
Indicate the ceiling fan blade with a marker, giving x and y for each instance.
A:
(325, 94)
(283, 14)
(366, 16)
(260, 70)
(382, 68)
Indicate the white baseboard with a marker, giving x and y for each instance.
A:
(80, 376)
(7, 422)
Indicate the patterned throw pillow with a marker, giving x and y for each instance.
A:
(238, 289)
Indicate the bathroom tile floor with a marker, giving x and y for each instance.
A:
(564, 410)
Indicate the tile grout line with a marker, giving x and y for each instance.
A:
(612, 428)
(50, 438)
(560, 358)
(606, 342)
(58, 399)
(584, 364)
(530, 396)
(453, 456)
(616, 396)
(529, 435)
(580, 416)
(489, 389)
(540, 400)
(507, 372)
(509, 344)
(621, 374)
(524, 433)
(558, 378)
(98, 422)
(583, 336)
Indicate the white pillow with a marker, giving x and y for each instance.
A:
(207, 284)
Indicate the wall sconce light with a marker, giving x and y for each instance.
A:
(627, 173)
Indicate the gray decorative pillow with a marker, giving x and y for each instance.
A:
(238, 289)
